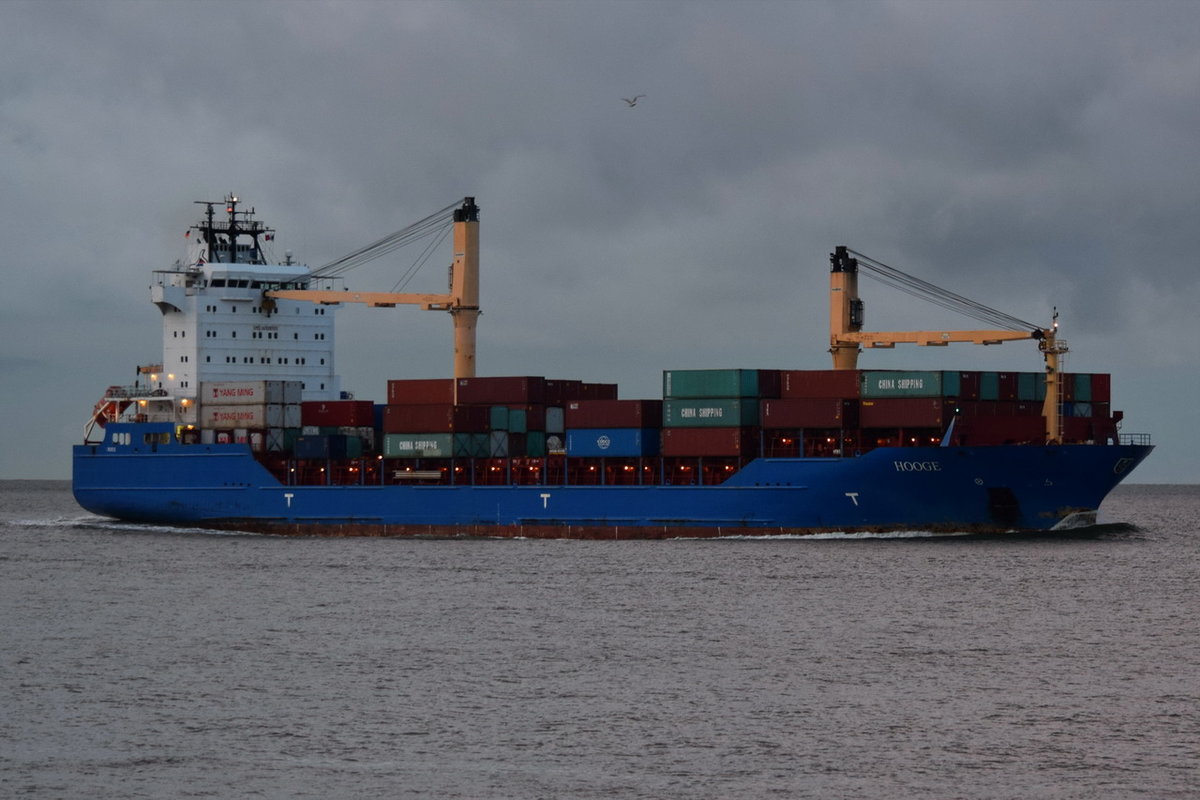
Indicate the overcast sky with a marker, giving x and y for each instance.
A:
(1029, 155)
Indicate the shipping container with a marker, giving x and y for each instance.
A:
(727, 383)
(820, 383)
(535, 444)
(229, 417)
(678, 442)
(419, 445)
(340, 413)
(1027, 383)
(556, 419)
(615, 442)
(598, 391)
(897, 383)
(470, 445)
(968, 385)
(241, 392)
(1082, 388)
(276, 442)
(522, 419)
(327, 446)
(421, 391)
(1101, 387)
(432, 418)
(293, 392)
(498, 418)
(999, 430)
(710, 412)
(558, 391)
(614, 414)
(505, 390)
(809, 412)
(906, 412)
(989, 386)
(1007, 384)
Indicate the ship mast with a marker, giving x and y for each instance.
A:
(239, 223)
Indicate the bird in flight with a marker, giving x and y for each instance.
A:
(633, 101)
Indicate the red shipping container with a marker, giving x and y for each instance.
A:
(535, 417)
(999, 430)
(809, 412)
(421, 391)
(906, 412)
(338, 413)
(560, 391)
(770, 382)
(502, 391)
(1007, 383)
(1101, 387)
(598, 391)
(969, 384)
(613, 414)
(428, 418)
(832, 383)
(710, 441)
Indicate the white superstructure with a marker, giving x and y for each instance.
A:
(218, 325)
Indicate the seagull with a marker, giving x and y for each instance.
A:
(633, 102)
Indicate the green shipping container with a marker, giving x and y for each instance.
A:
(710, 412)
(535, 444)
(908, 383)
(470, 445)
(498, 418)
(1031, 387)
(418, 445)
(951, 384)
(1083, 387)
(989, 386)
(702, 383)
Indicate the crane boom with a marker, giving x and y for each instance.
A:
(846, 337)
(462, 301)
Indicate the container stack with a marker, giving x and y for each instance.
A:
(258, 413)
(336, 429)
(709, 423)
(816, 414)
(712, 420)
(495, 419)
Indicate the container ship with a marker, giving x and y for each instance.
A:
(244, 425)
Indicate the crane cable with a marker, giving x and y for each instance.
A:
(916, 287)
(432, 225)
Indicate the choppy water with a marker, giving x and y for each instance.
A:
(159, 663)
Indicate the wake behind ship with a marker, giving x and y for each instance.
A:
(244, 424)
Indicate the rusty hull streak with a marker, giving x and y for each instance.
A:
(582, 532)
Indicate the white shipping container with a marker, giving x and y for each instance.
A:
(225, 418)
(208, 436)
(241, 392)
(291, 414)
(292, 392)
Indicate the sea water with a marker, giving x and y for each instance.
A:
(152, 662)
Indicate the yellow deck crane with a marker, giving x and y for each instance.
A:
(462, 301)
(847, 338)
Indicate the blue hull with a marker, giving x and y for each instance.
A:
(973, 489)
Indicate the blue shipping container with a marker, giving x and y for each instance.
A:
(617, 442)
